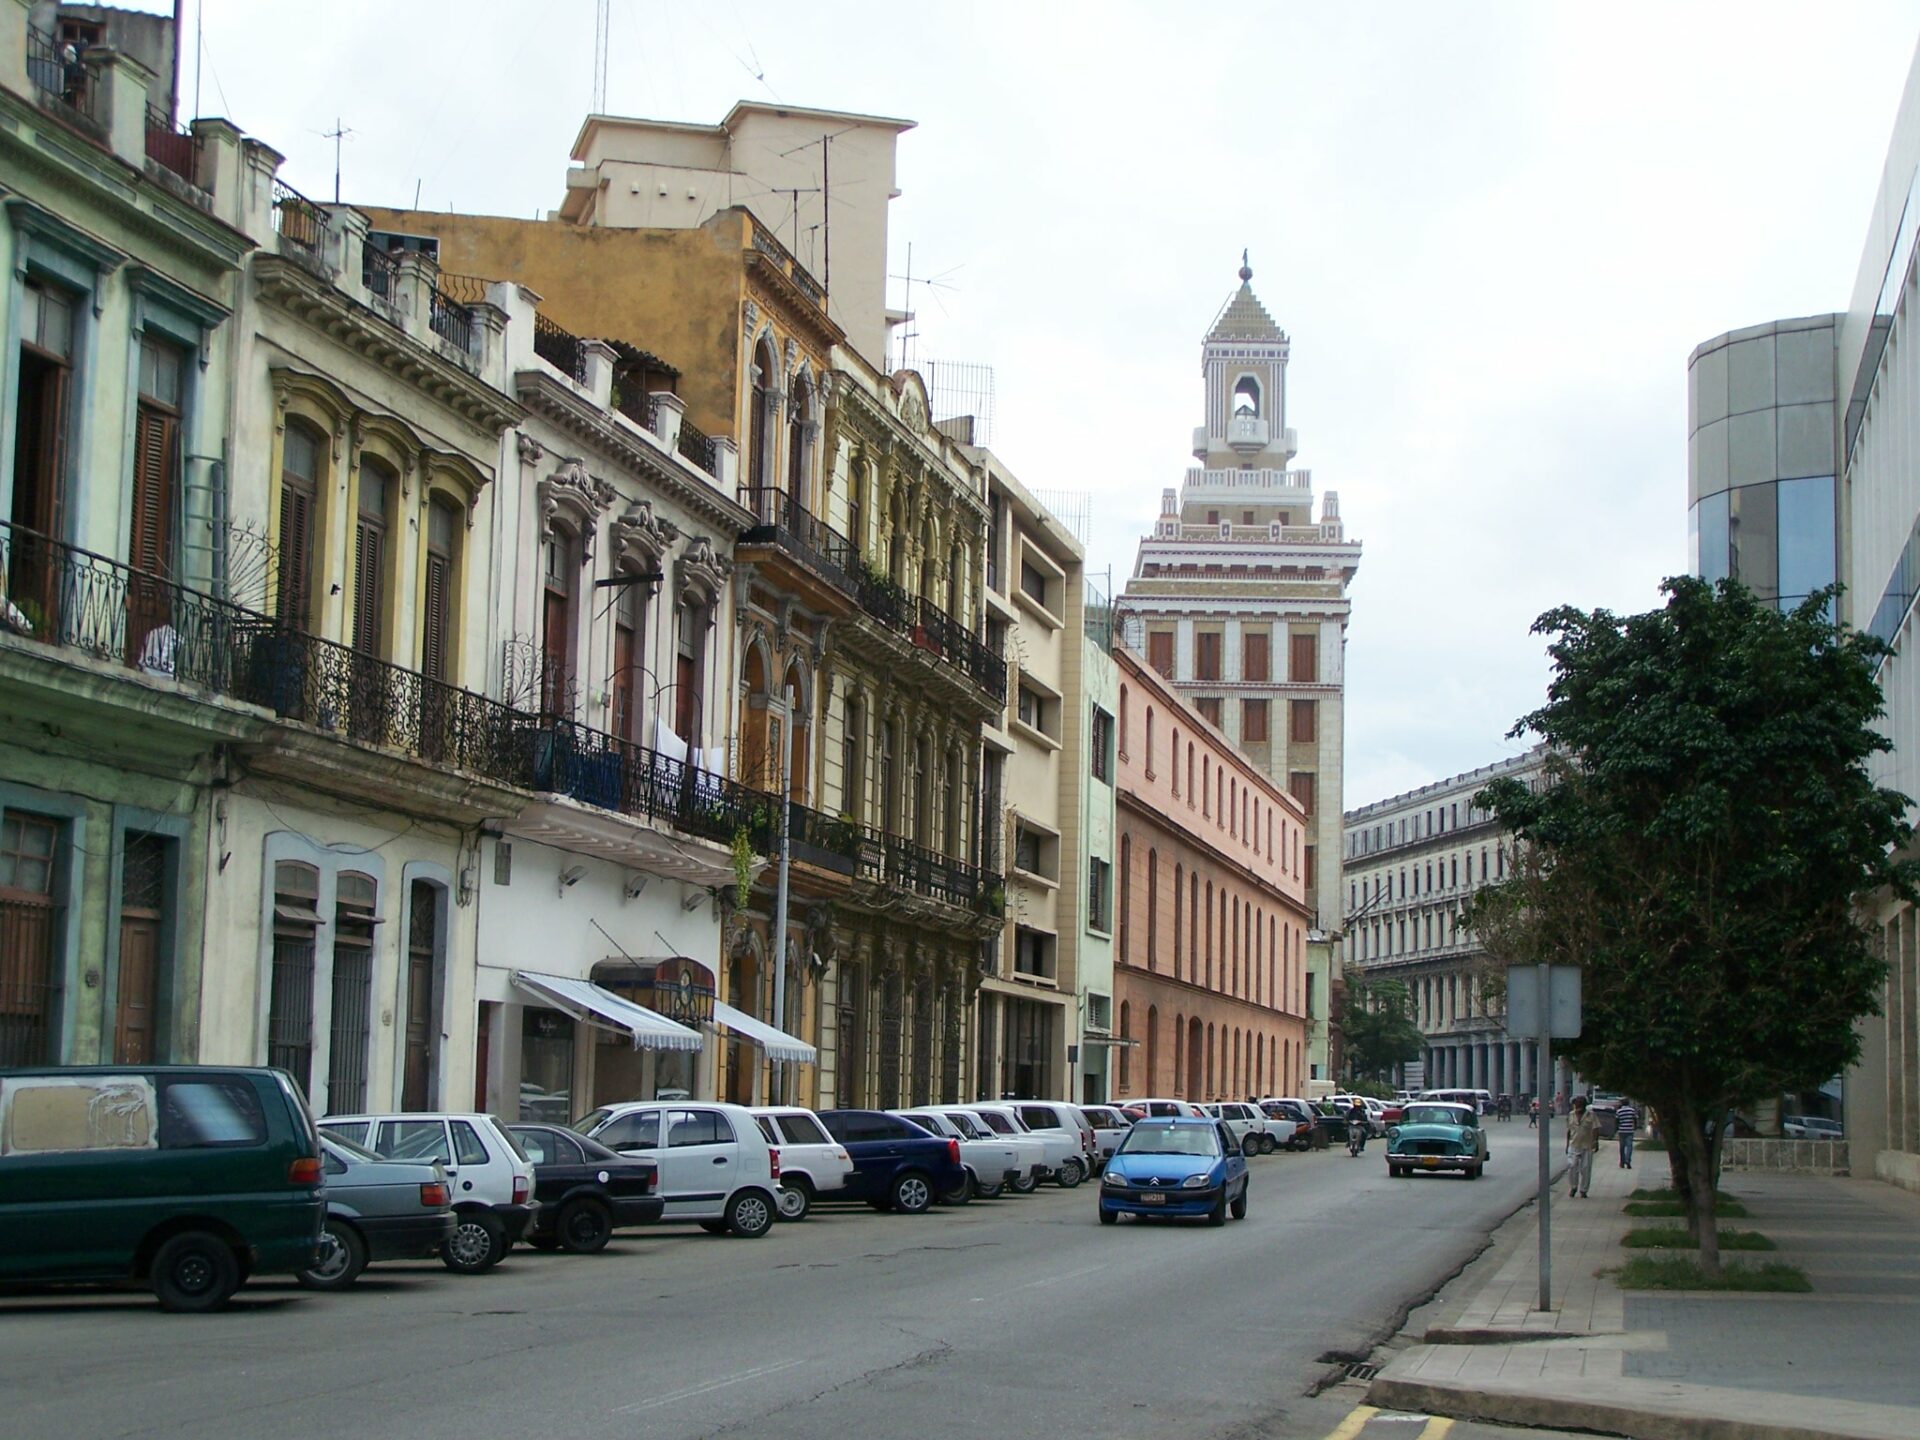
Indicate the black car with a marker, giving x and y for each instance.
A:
(584, 1190)
(896, 1164)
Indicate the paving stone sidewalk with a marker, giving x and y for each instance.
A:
(1681, 1365)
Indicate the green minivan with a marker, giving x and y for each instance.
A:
(189, 1177)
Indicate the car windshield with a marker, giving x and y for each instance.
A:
(1149, 1138)
(1435, 1115)
(586, 1123)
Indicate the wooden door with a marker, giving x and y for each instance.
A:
(142, 901)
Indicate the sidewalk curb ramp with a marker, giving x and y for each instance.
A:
(1644, 1410)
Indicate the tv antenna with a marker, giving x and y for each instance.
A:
(934, 284)
(338, 133)
(602, 34)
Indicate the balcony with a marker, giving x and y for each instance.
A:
(891, 862)
(931, 629)
(785, 525)
(1247, 432)
(62, 81)
(171, 147)
(697, 446)
(301, 224)
(562, 349)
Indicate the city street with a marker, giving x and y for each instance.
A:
(1009, 1317)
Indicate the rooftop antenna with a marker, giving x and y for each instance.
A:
(931, 282)
(337, 134)
(602, 33)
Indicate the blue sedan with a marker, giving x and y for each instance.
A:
(1176, 1167)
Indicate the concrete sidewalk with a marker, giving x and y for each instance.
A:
(1681, 1365)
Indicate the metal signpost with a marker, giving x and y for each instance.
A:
(1544, 1001)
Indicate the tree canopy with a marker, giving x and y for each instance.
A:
(1705, 825)
(1378, 1027)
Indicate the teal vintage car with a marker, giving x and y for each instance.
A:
(1437, 1136)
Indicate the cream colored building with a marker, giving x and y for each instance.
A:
(1239, 597)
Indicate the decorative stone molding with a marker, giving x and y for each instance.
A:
(641, 540)
(750, 317)
(702, 572)
(570, 493)
(531, 450)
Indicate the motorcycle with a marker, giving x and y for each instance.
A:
(1356, 1137)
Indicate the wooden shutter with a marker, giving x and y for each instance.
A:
(433, 640)
(156, 447)
(1160, 651)
(1256, 660)
(1306, 659)
(296, 552)
(367, 572)
(623, 664)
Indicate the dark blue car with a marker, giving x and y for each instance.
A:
(1176, 1166)
(896, 1164)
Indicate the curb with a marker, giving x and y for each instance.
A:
(1641, 1422)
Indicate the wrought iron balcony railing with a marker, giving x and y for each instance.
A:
(933, 630)
(450, 320)
(301, 223)
(562, 349)
(597, 769)
(380, 273)
(846, 845)
(61, 78)
(171, 147)
(788, 524)
(696, 445)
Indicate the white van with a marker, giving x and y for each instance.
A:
(1066, 1160)
(810, 1159)
(716, 1168)
(1040, 1116)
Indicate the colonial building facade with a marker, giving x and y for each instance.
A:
(1210, 955)
(1414, 862)
(1239, 598)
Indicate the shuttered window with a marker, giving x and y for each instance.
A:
(436, 620)
(1253, 720)
(1160, 651)
(1303, 720)
(299, 467)
(1305, 666)
(369, 559)
(1206, 655)
(1255, 665)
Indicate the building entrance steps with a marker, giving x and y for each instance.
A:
(1835, 1362)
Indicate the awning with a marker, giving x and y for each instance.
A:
(777, 1043)
(1116, 1042)
(590, 1003)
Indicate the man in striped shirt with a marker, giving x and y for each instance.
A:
(1628, 1120)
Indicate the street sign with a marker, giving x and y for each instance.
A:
(1563, 1001)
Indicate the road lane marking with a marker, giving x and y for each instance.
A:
(706, 1388)
(1436, 1427)
(1355, 1422)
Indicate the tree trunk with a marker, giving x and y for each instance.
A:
(1702, 1221)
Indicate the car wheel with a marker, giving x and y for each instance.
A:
(1109, 1217)
(194, 1273)
(1240, 1205)
(544, 1241)
(1250, 1147)
(1473, 1172)
(1218, 1215)
(714, 1227)
(960, 1194)
(795, 1199)
(989, 1192)
(1070, 1174)
(750, 1214)
(1026, 1184)
(343, 1255)
(584, 1226)
(912, 1193)
(478, 1243)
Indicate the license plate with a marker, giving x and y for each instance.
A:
(1431, 1163)
(1154, 1199)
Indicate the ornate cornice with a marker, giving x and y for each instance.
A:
(641, 452)
(374, 338)
(791, 303)
(864, 415)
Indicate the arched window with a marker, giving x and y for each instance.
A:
(1206, 786)
(1194, 918)
(559, 571)
(290, 1012)
(1125, 898)
(1233, 807)
(437, 592)
(1153, 1044)
(1178, 1087)
(379, 492)
(350, 1025)
(1123, 722)
(1126, 1051)
(300, 457)
(1153, 909)
(853, 729)
(857, 508)
(800, 441)
(1208, 927)
(1246, 396)
(1150, 746)
(1174, 757)
(1179, 919)
(762, 404)
(1190, 800)
(1233, 949)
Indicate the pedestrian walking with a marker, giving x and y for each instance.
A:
(1627, 1120)
(1583, 1138)
(1533, 1113)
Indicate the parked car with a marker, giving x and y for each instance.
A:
(1161, 1109)
(1030, 1150)
(1437, 1136)
(896, 1164)
(1065, 1153)
(715, 1166)
(1176, 1167)
(377, 1209)
(1041, 1116)
(585, 1191)
(1376, 1116)
(491, 1180)
(991, 1163)
(1247, 1122)
(812, 1162)
(1110, 1128)
(1811, 1127)
(1289, 1121)
(191, 1178)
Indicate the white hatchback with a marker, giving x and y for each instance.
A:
(1030, 1151)
(1110, 1130)
(1043, 1115)
(810, 1159)
(716, 1168)
(1066, 1154)
(1247, 1122)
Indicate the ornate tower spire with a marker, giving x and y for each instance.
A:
(1244, 360)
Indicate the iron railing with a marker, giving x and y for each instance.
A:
(788, 524)
(300, 223)
(890, 860)
(885, 599)
(61, 77)
(171, 147)
(933, 630)
(633, 400)
(696, 445)
(450, 320)
(597, 769)
(380, 273)
(562, 349)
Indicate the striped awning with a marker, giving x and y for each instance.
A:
(593, 1005)
(777, 1043)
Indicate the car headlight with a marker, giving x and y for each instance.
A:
(1114, 1177)
(1393, 1132)
(1196, 1182)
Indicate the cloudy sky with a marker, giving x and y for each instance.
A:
(1493, 231)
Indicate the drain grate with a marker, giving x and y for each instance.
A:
(1362, 1371)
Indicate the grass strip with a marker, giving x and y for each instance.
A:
(1673, 1209)
(1667, 1192)
(1682, 1272)
(1676, 1237)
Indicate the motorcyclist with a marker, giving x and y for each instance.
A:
(1358, 1123)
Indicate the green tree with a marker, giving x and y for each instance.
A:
(1379, 1028)
(1707, 824)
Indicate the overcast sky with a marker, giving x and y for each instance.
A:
(1493, 232)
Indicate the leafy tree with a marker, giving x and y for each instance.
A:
(1379, 1028)
(1707, 824)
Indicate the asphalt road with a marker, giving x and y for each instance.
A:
(1012, 1317)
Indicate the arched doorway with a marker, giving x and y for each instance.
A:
(1196, 1061)
(743, 993)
